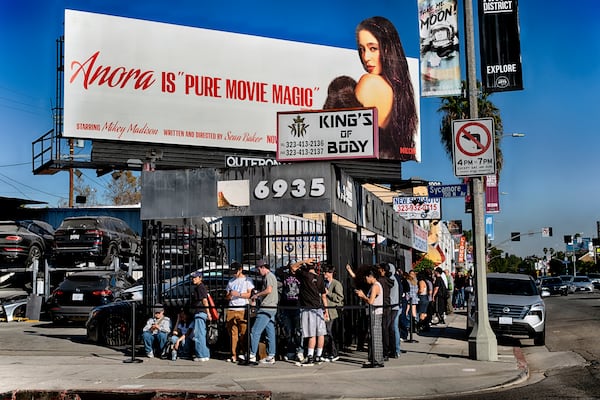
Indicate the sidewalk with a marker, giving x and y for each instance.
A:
(436, 364)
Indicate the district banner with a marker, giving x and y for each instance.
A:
(500, 46)
(440, 61)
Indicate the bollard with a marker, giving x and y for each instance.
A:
(133, 359)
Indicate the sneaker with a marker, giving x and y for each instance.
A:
(307, 361)
(334, 359)
(150, 355)
(173, 355)
(252, 359)
(201, 359)
(300, 357)
(268, 360)
(319, 360)
(242, 357)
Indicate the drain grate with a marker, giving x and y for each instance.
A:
(176, 375)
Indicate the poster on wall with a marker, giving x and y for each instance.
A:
(500, 45)
(440, 57)
(134, 80)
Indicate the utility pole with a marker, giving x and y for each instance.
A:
(483, 345)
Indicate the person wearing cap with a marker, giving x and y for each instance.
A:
(313, 308)
(200, 309)
(239, 290)
(155, 332)
(265, 315)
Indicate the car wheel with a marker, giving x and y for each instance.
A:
(540, 338)
(35, 253)
(115, 331)
(111, 254)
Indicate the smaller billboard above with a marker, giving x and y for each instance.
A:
(327, 135)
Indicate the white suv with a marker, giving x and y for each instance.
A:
(515, 307)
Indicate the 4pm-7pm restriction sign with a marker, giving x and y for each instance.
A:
(473, 150)
(458, 190)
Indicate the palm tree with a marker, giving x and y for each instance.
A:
(457, 107)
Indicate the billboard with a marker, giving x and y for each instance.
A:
(500, 45)
(142, 81)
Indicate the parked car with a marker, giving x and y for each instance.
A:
(192, 245)
(554, 285)
(568, 279)
(110, 324)
(515, 307)
(23, 241)
(81, 291)
(13, 305)
(100, 239)
(583, 284)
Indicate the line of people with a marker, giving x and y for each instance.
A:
(296, 309)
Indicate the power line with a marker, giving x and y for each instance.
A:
(27, 186)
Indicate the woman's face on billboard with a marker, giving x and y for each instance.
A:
(368, 47)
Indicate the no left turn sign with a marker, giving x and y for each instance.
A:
(474, 150)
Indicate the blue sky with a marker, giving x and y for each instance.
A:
(549, 179)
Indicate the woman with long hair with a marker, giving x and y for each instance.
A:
(387, 86)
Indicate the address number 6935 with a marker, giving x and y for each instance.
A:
(297, 188)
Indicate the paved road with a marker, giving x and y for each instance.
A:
(38, 356)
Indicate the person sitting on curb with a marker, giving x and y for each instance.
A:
(184, 330)
(156, 331)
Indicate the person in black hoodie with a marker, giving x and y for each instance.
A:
(385, 279)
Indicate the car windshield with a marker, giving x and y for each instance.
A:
(84, 282)
(551, 281)
(517, 287)
(581, 279)
(78, 223)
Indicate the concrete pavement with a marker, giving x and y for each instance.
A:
(37, 357)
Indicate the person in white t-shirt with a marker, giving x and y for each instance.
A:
(239, 291)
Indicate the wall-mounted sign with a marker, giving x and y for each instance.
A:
(327, 135)
(418, 207)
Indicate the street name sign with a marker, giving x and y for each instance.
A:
(458, 190)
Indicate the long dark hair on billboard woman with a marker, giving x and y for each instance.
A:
(387, 86)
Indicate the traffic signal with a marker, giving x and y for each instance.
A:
(515, 236)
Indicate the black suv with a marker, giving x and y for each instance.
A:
(22, 242)
(554, 285)
(81, 291)
(100, 239)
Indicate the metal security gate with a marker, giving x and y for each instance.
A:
(210, 246)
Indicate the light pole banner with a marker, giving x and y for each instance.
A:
(492, 199)
(500, 45)
(440, 61)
